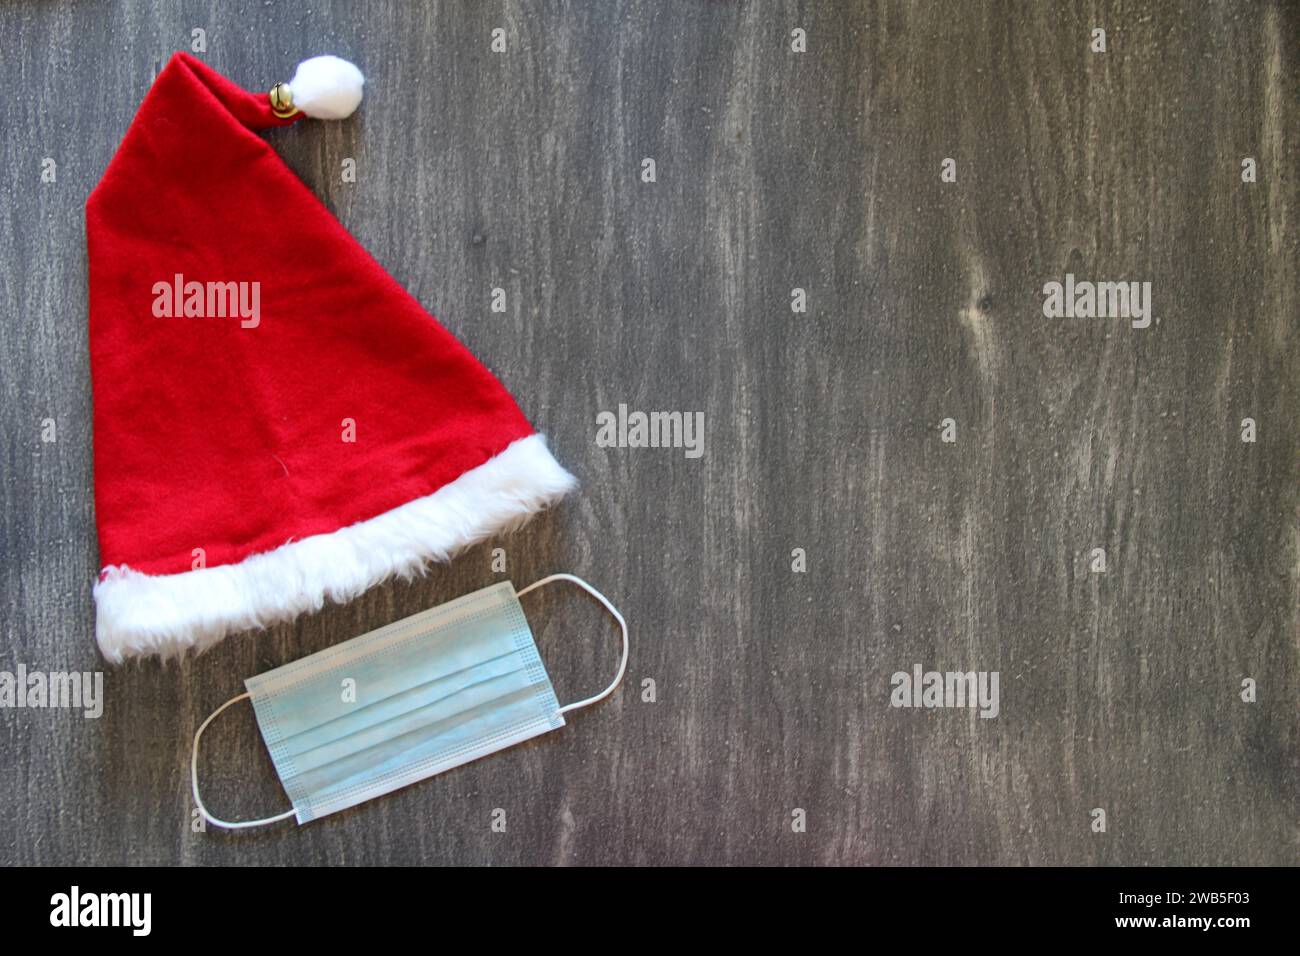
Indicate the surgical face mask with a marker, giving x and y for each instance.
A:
(410, 700)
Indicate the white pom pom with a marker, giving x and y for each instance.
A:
(326, 87)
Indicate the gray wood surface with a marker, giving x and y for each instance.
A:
(776, 170)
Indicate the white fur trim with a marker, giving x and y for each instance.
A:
(141, 614)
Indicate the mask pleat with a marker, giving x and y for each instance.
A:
(439, 655)
(311, 750)
(356, 717)
(425, 740)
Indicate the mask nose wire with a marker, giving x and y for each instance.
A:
(194, 779)
(622, 664)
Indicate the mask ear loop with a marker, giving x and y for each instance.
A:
(622, 664)
(194, 779)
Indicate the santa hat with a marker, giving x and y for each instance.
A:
(277, 422)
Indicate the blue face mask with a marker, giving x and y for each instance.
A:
(405, 702)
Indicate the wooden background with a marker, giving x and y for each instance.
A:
(776, 170)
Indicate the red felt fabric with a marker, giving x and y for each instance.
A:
(209, 435)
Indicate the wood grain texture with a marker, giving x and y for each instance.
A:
(776, 170)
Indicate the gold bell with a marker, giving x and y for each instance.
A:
(282, 101)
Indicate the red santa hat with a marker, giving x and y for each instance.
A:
(277, 422)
